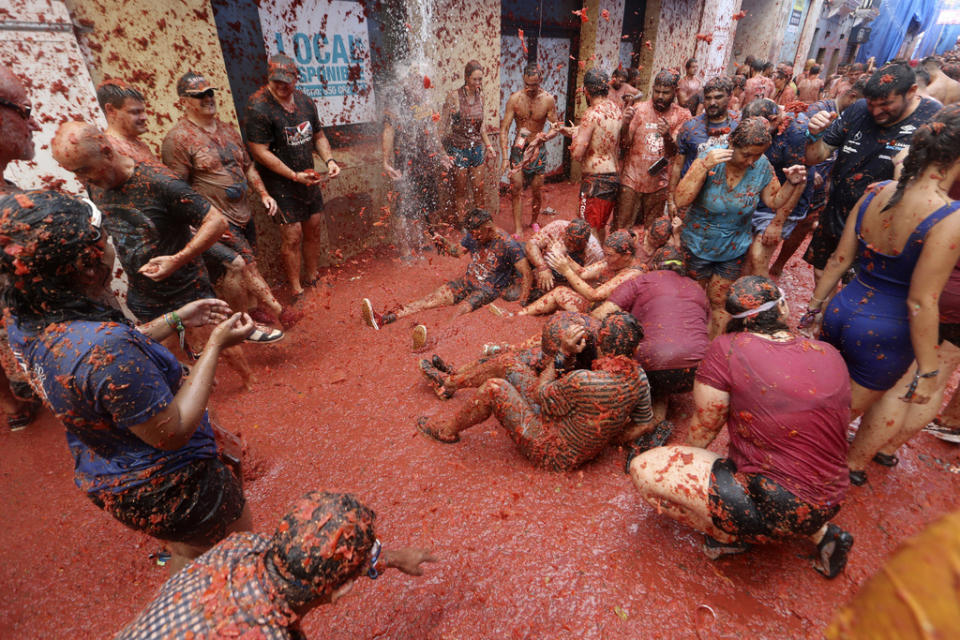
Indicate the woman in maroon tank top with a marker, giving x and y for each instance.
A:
(465, 138)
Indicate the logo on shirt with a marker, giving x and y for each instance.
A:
(298, 135)
(907, 129)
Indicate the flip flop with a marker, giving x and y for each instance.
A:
(21, 420)
(265, 335)
(423, 428)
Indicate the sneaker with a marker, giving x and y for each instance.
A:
(370, 317)
(21, 420)
(438, 362)
(939, 430)
(436, 379)
(833, 550)
(713, 548)
(497, 311)
(419, 337)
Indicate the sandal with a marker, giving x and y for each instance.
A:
(436, 379)
(832, 551)
(858, 478)
(886, 459)
(433, 434)
(713, 548)
(945, 432)
(21, 419)
(265, 335)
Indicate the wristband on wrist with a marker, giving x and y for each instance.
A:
(814, 137)
(916, 380)
(174, 321)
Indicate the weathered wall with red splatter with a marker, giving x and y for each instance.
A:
(760, 32)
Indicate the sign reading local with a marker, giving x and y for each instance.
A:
(329, 41)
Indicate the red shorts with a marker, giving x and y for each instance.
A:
(598, 197)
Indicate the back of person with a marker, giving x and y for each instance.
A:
(673, 311)
(789, 409)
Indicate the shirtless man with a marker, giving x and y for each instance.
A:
(596, 146)
(689, 84)
(758, 85)
(941, 86)
(843, 85)
(810, 85)
(531, 107)
(620, 88)
(126, 116)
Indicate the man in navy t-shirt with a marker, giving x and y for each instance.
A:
(496, 260)
(868, 135)
(709, 129)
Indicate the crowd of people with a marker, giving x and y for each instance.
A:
(660, 285)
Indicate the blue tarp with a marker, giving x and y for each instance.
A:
(937, 39)
(889, 29)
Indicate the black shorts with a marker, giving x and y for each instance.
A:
(668, 381)
(297, 202)
(822, 245)
(950, 332)
(194, 504)
(238, 242)
(476, 296)
(756, 509)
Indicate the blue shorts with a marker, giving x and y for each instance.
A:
(539, 166)
(701, 269)
(466, 158)
(762, 220)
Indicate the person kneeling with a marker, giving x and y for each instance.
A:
(785, 399)
(565, 419)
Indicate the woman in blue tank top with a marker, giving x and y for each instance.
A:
(905, 238)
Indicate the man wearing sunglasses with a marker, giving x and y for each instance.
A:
(17, 399)
(209, 155)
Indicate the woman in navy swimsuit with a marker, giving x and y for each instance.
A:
(905, 239)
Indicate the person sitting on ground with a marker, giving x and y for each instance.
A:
(138, 430)
(785, 400)
(562, 420)
(674, 311)
(618, 266)
(723, 188)
(498, 360)
(905, 239)
(253, 585)
(496, 260)
(209, 155)
(572, 237)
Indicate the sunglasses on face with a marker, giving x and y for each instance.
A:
(21, 109)
(205, 94)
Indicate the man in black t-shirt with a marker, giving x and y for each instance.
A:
(283, 131)
(868, 136)
(148, 214)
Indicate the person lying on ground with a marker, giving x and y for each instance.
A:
(256, 586)
(673, 311)
(496, 261)
(499, 359)
(142, 443)
(786, 402)
(619, 266)
(562, 419)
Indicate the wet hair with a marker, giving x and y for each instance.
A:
(894, 78)
(858, 67)
(472, 66)
(690, 61)
(552, 333)
(619, 73)
(749, 292)
(632, 74)
(532, 69)
(660, 231)
(48, 241)
(783, 74)
(476, 218)
(115, 92)
(750, 132)
(815, 69)
(739, 81)
(667, 78)
(323, 542)
(859, 87)
(757, 65)
(669, 258)
(619, 334)
(577, 231)
(621, 242)
(935, 142)
(749, 60)
(718, 83)
(768, 65)
(922, 75)
(596, 83)
(952, 70)
(760, 108)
